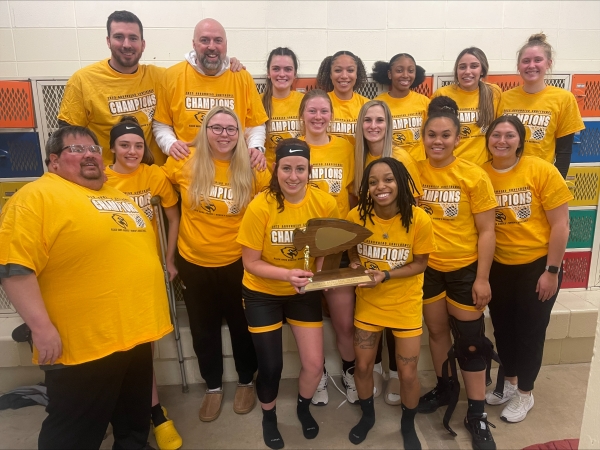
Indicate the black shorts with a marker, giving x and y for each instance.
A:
(265, 312)
(456, 286)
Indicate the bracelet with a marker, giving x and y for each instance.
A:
(386, 276)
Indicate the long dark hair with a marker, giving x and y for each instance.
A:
(404, 201)
(274, 189)
(267, 99)
(324, 75)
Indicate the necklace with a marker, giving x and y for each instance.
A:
(386, 235)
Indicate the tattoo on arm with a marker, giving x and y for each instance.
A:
(406, 361)
(365, 339)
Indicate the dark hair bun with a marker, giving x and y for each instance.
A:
(419, 77)
(129, 119)
(380, 72)
(442, 104)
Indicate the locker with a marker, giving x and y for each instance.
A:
(586, 145)
(16, 105)
(20, 155)
(586, 89)
(582, 223)
(576, 266)
(583, 183)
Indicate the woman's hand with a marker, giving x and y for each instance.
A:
(547, 285)
(482, 293)
(298, 278)
(172, 270)
(378, 277)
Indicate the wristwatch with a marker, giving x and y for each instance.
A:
(261, 149)
(552, 269)
(386, 276)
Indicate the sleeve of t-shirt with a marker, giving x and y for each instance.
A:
(334, 212)
(163, 101)
(163, 187)
(569, 118)
(482, 194)
(172, 168)
(72, 108)
(424, 241)
(256, 114)
(263, 179)
(353, 216)
(553, 189)
(252, 229)
(22, 239)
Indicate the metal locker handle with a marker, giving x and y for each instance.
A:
(3, 153)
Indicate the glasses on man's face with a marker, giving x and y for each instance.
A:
(81, 149)
(218, 130)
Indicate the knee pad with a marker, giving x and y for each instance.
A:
(471, 347)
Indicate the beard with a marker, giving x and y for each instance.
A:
(115, 56)
(209, 65)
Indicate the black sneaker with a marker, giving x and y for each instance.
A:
(435, 398)
(480, 432)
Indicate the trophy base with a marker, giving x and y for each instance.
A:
(337, 278)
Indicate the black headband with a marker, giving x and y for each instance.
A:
(125, 128)
(292, 150)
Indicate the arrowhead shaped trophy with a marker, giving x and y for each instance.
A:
(330, 238)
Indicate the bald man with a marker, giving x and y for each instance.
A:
(204, 80)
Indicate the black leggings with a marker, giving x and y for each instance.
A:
(391, 345)
(519, 318)
(269, 350)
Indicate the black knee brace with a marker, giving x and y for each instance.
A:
(471, 347)
(474, 353)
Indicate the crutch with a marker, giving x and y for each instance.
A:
(162, 238)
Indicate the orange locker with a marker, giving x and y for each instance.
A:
(586, 89)
(16, 105)
(426, 87)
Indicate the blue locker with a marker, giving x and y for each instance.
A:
(586, 146)
(20, 155)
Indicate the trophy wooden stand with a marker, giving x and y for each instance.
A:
(330, 238)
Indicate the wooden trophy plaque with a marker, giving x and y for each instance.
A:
(330, 238)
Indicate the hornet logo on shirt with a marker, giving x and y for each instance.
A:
(448, 199)
(402, 125)
(120, 220)
(283, 236)
(289, 252)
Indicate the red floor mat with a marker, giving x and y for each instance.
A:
(565, 444)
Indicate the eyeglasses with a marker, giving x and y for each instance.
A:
(81, 149)
(218, 130)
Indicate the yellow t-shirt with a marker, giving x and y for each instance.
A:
(207, 234)
(185, 96)
(451, 195)
(333, 170)
(472, 138)
(345, 115)
(97, 96)
(283, 124)
(399, 302)
(411, 166)
(142, 184)
(94, 255)
(409, 115)
(547, 115)
(524, 194)
(266, 229)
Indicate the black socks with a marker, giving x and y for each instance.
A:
(348, 366)
(359, 432)
(310, 427)
(476, 408)
(271, 434)
(157, 415)
(407, 428)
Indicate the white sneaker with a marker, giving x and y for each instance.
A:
(321, 397)
(510, 390)
(377, 380)
(517, 408)
(348, 382)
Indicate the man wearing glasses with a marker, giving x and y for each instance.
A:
(78, 262)
(204, 80)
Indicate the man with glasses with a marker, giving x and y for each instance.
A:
(98, 95)
(78, 262)
(204, 80)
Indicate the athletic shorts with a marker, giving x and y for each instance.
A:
(397, 332)
(265, 312)
(456, 286)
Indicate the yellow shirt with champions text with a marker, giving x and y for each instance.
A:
(524, 194)
(547, 115)
(97, 96)
(345, 115)
(185, 97)
(208, 233)
(411, 166)
(398, 303)
(451, 196)
(266, 229)
(472, 138)
(333, 170)
(283, 124)
(94, 256)
(408, 115)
